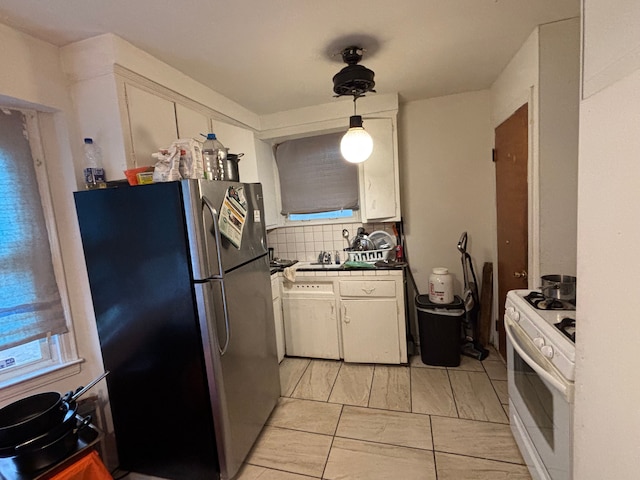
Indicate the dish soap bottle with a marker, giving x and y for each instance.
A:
(94, 176)
(213, 155)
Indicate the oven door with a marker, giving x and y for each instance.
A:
(542, 401)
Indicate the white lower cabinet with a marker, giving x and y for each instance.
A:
(277, 316)
(371, 327)
(370, 331)
(359, 318)
(310, 320)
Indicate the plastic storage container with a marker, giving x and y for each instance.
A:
(440, 329)
(214, 156)
(440, 286)
(94, 176)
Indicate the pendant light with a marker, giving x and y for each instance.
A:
(356, 145)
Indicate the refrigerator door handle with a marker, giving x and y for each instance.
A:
(227, 329)
(216, 233)
(209, 296)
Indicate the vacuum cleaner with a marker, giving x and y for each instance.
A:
(470, 347)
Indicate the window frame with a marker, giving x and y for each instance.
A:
(64, 360)
(355, 218)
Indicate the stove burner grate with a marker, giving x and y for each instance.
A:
(539, 301)
(568, 327)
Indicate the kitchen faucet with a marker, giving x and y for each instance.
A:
(324, 258)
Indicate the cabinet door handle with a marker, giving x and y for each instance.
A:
(345, 318)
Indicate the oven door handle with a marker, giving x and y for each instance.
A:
(558, 384)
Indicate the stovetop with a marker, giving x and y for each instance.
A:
(538, 300)
(543, 329)
(567, 326)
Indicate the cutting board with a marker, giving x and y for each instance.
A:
(486, 303)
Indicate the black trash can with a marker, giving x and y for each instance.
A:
(440, 329)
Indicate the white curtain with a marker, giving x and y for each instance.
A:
(314, 177)
(30, 306)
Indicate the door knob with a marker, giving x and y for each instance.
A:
(522, 274)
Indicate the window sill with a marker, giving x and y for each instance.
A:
(19, 385)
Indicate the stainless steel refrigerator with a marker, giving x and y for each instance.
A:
(179, 278)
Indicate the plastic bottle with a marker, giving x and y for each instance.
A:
(440, 286)
(94, 176)
(214, 156)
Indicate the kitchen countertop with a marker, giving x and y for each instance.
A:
(314, 267)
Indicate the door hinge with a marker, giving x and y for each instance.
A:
(493, 155)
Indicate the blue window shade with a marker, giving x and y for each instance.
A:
(30, 305)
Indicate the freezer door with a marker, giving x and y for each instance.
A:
(244, 380)
(213, 253)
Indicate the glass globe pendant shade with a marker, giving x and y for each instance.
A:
(356, 145)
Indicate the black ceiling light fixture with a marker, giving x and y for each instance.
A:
(355, 80)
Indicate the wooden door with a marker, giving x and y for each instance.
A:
(511, 156)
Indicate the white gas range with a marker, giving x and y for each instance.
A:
(541, 374)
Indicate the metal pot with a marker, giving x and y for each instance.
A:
(362, 241)
(561, 287)
(52, 451)
(231, 172)
(30, 417)
(68, 423)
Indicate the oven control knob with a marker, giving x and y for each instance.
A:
(547, 351)
(513, 315)
(538, 342)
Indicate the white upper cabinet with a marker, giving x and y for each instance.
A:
(270, 190)
(379, 182)
(191, 123)
(238, 140)
(152, 124)
(134, 104)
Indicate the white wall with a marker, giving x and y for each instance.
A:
(607, 405)
(559, 99)
(513, 86)
(607, 415)
(447, 182)
(31, 77)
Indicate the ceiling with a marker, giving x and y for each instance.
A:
(277, 55)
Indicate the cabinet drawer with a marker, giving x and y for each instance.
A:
(368, 288)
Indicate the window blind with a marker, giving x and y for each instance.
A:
(314, 177)
(30, 305)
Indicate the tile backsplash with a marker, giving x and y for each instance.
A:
(304, 243)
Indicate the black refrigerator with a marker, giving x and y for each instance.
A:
(179, 277)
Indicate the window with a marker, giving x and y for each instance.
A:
(315, 181)
(32, 305)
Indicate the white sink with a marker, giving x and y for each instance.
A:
(319, 266)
